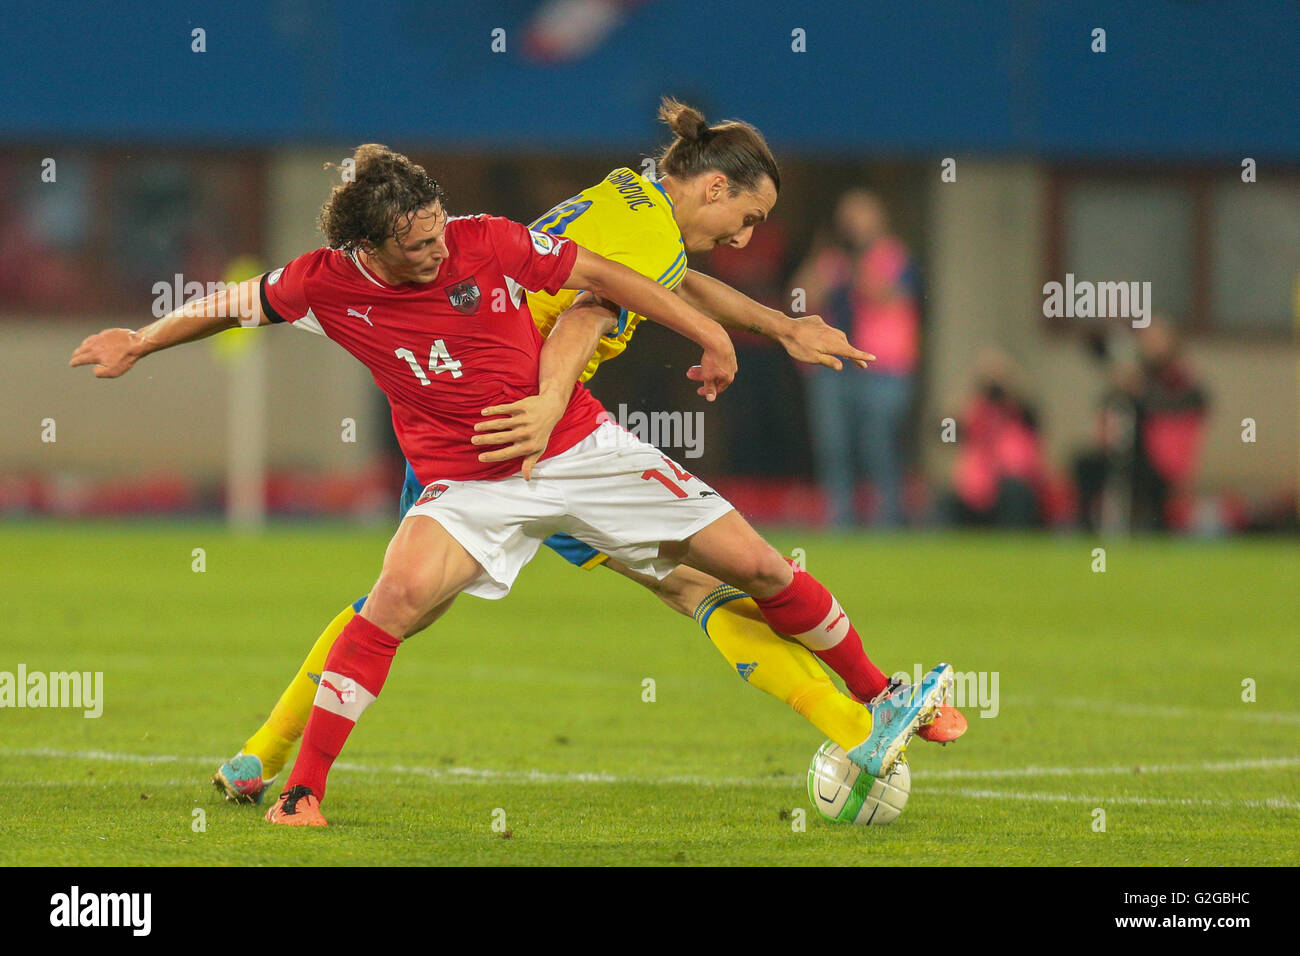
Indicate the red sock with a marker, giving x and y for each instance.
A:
(810, 614)
(354, 674)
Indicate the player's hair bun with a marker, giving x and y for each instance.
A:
(687, 122)
(732, 147)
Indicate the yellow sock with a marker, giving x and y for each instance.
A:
(785, 669)
(274, 740)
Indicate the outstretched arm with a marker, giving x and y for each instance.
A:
(114, 351)
(633, 291)
(807, 338)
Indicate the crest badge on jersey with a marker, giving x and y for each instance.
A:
(543, 243)
(464, 296)
(431, 493)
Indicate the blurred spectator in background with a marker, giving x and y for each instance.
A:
(863, 282)
(1149, 430)
(44, 231)
(1000, 475)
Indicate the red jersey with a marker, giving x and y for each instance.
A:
(445, 350)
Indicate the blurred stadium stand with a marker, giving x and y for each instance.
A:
(1117, 165)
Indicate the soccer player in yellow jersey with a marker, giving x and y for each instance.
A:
(716, 184)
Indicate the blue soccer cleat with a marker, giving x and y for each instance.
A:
(240, 779)
(895, 715)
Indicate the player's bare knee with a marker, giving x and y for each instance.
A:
(763, 572)
(398, 603)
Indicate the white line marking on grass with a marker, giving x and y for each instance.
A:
(1153, 710)
(1259, 763)
(485, 775)
(440, 774)
(103, 755)
(1270, 803)
(59, 784)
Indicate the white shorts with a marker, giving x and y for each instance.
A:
(611, 491)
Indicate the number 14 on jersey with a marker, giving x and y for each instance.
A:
(440, 361)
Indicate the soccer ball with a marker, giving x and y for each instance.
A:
(842, 792)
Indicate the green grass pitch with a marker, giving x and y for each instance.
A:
(1119, 690)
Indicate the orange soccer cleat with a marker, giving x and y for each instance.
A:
(949, 723)
(297, 807)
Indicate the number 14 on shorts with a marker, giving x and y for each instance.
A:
(655, 474)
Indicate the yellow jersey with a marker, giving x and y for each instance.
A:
(624, 217)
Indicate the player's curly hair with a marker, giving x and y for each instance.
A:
(385, 192)
(733, 147)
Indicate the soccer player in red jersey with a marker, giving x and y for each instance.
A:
(402, 281)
